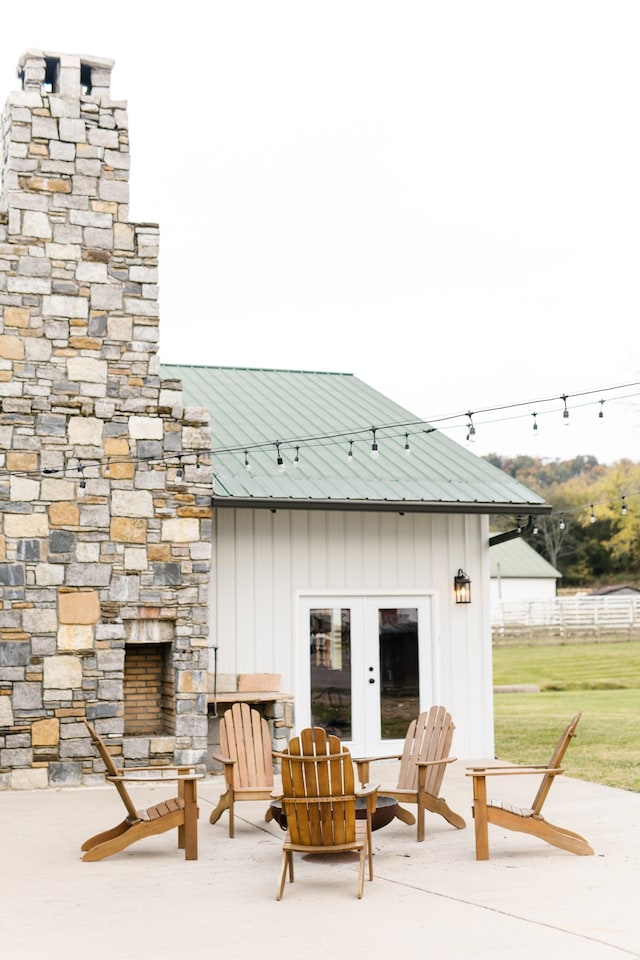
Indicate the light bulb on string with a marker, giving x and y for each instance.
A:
(82, 486)
(601, 411)
(279, 461)
(296, 459)
(247, 465)
(107, 468)
(179, 471)
(350, 453)
(535, 423)
(565, 412)
(471, 430)
(623, 511)
(407, 447)
(375, 453)
(561, 523)
(592, 517)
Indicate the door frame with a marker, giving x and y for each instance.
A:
(428, 653)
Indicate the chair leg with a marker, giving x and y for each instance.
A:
(287, 862)
(188, 832)
(421, 818)
(223, 804)
(480, 817)
(106, 835)
(361, 872)
(405, 815)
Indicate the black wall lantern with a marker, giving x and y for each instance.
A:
(462, 587)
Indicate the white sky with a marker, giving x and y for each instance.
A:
(442, 198)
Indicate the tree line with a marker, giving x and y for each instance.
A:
(593, 534)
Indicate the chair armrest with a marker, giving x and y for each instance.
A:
(369, 792)
(178, 768)
(221, 759)
(362, 765)
(434, 763)
(168, 775)
(510, 771)
(393, 756)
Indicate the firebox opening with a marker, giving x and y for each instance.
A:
(149, 708)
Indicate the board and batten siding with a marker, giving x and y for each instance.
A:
(265, 561)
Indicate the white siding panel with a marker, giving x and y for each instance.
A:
(265, 560)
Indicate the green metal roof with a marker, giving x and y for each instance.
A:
(320, 413)
(517, 558)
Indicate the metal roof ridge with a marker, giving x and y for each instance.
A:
(214, 366)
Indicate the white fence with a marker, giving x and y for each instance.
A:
(589, 617)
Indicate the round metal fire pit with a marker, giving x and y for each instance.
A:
(383, 814)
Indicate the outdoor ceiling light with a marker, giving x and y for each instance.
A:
(462, 587)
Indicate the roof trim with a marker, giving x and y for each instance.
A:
(384, 506)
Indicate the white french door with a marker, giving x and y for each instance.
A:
(365, 667)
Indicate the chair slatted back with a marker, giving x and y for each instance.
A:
(429, 737)
(318, 787)
(245, 738)
(556, 761)
(112, 771)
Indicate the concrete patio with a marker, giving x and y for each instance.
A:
(529, 900)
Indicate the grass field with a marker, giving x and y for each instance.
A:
(602, 680)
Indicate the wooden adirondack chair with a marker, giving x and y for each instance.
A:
(247, 760)
(422, 766)
(179, 812)
(319, 803)
(529, 819)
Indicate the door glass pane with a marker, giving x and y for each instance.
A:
(399, 680)
(330, 663)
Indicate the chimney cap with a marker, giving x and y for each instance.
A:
(88, 59)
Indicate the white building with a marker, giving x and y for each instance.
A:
(520, 574)
(334, 568)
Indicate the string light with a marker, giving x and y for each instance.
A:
(624, 507)
(296, 459)
(279, 461)
(407, 447)
(561, 523)
(179, 471)
(471, 430)
(375, 453)
(535, 423)
(592, 518)
(418, 426)
(82, 486)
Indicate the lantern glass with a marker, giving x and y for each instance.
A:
(462, 587)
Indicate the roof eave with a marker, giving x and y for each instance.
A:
(384, 506)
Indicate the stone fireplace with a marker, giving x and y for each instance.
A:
(105, 496)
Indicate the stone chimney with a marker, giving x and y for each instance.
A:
(105, 495)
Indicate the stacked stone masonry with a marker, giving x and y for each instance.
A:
(105, 505)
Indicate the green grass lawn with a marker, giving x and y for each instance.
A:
(602, 680)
